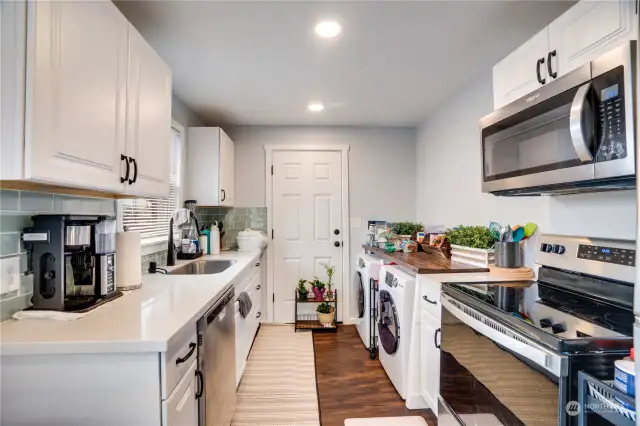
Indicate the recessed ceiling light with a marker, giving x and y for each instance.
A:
(328, 29)
(315, 107)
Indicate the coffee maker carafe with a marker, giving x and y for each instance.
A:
(73, 261)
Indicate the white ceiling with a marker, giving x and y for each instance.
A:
(259, 62)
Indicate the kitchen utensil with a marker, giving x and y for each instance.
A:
(506, 233)
(494, 230)
(529, 229)
(250, 240)
(517, 234)
(508, 254)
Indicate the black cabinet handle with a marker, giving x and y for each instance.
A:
(257, 264)
(259, 314)
(549, 68)
(433, 302)
(224, 195)
(192, 349)
(540, 79)
(126, 173)
(200, 389)
(135, 170)
(337, 244)
(258, 287)
(435, 338)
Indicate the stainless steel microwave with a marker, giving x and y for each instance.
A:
(576, 134)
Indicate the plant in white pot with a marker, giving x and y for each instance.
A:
(326, 312)
(472, 245)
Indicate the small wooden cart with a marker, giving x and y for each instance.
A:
(314, 324)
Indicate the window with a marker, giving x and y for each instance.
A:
(150, 216)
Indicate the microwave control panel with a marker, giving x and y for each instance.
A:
(609, 92)
(613, 255)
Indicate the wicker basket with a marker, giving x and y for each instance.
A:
(325, 319)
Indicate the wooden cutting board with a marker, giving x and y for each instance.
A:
(523, 273)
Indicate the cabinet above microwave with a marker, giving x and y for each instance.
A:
(575, 134)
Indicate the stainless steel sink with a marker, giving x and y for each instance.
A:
(203, 267)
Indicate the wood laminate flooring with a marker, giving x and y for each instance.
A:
(350, 385)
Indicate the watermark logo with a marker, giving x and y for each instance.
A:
(573, 408)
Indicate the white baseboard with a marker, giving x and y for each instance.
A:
(415, 402)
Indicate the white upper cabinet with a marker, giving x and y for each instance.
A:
(522, 72)
(587, 30)
(76, 94)
(210, 175)
(91, 95)
(226, 170)
(590, 29)
(148, 136)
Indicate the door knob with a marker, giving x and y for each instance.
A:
(336, 231)
(337, 244)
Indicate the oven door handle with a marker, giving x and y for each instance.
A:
(543, 358)
(577, 130)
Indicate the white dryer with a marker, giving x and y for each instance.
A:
(395, 318)
(367, 269)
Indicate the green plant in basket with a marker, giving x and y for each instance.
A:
(471, 236)
(324, 308)
(406, 228)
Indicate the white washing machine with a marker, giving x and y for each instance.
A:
(395, 318)
(367, 269)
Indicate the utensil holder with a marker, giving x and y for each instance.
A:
(508, 254)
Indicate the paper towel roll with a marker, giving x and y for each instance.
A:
(128, 270)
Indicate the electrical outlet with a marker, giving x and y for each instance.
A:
(9, 274)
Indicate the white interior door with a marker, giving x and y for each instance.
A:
(306, 211)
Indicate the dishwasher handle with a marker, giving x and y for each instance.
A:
(219, 309)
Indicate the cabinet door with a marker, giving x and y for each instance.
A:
(590, 29)
(517, 74)
(149, 137)
(430, 360)
(75, 115)
(181, 408)
(226, 170)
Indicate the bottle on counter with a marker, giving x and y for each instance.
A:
(214, 239)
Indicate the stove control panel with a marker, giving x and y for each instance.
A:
(552, 248)
(617, 256)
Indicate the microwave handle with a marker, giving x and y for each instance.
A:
(575, 124)
(536, 355)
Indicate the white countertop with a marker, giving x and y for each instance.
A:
(144, 320)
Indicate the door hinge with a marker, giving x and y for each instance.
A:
(271, 170)
(272, 234)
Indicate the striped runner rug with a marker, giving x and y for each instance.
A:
(278, 386)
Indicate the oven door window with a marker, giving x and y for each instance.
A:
(539, 139)
(485, 383)
(388, 325)
(361, 290)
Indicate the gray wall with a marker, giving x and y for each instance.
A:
(382, 170)
(449, 179)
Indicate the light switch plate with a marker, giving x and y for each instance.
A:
(356, 223)
(9, 274)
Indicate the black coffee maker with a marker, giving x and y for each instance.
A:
(73, 260)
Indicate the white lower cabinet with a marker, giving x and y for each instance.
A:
(430, 359)
(181, 408)
(247, 327)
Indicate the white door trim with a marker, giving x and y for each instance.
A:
(343, 298)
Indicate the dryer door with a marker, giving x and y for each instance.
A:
(388, 324)
(361, 290)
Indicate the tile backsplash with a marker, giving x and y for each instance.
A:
(234, 219)
(16, 209)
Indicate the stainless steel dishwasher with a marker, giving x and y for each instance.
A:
(217, 363)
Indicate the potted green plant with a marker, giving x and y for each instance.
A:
(472, 245)
(405, 230)
(303, 292)
(330, 271)
(318, 289)
(326, 313)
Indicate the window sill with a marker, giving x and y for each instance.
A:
(153, 245)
